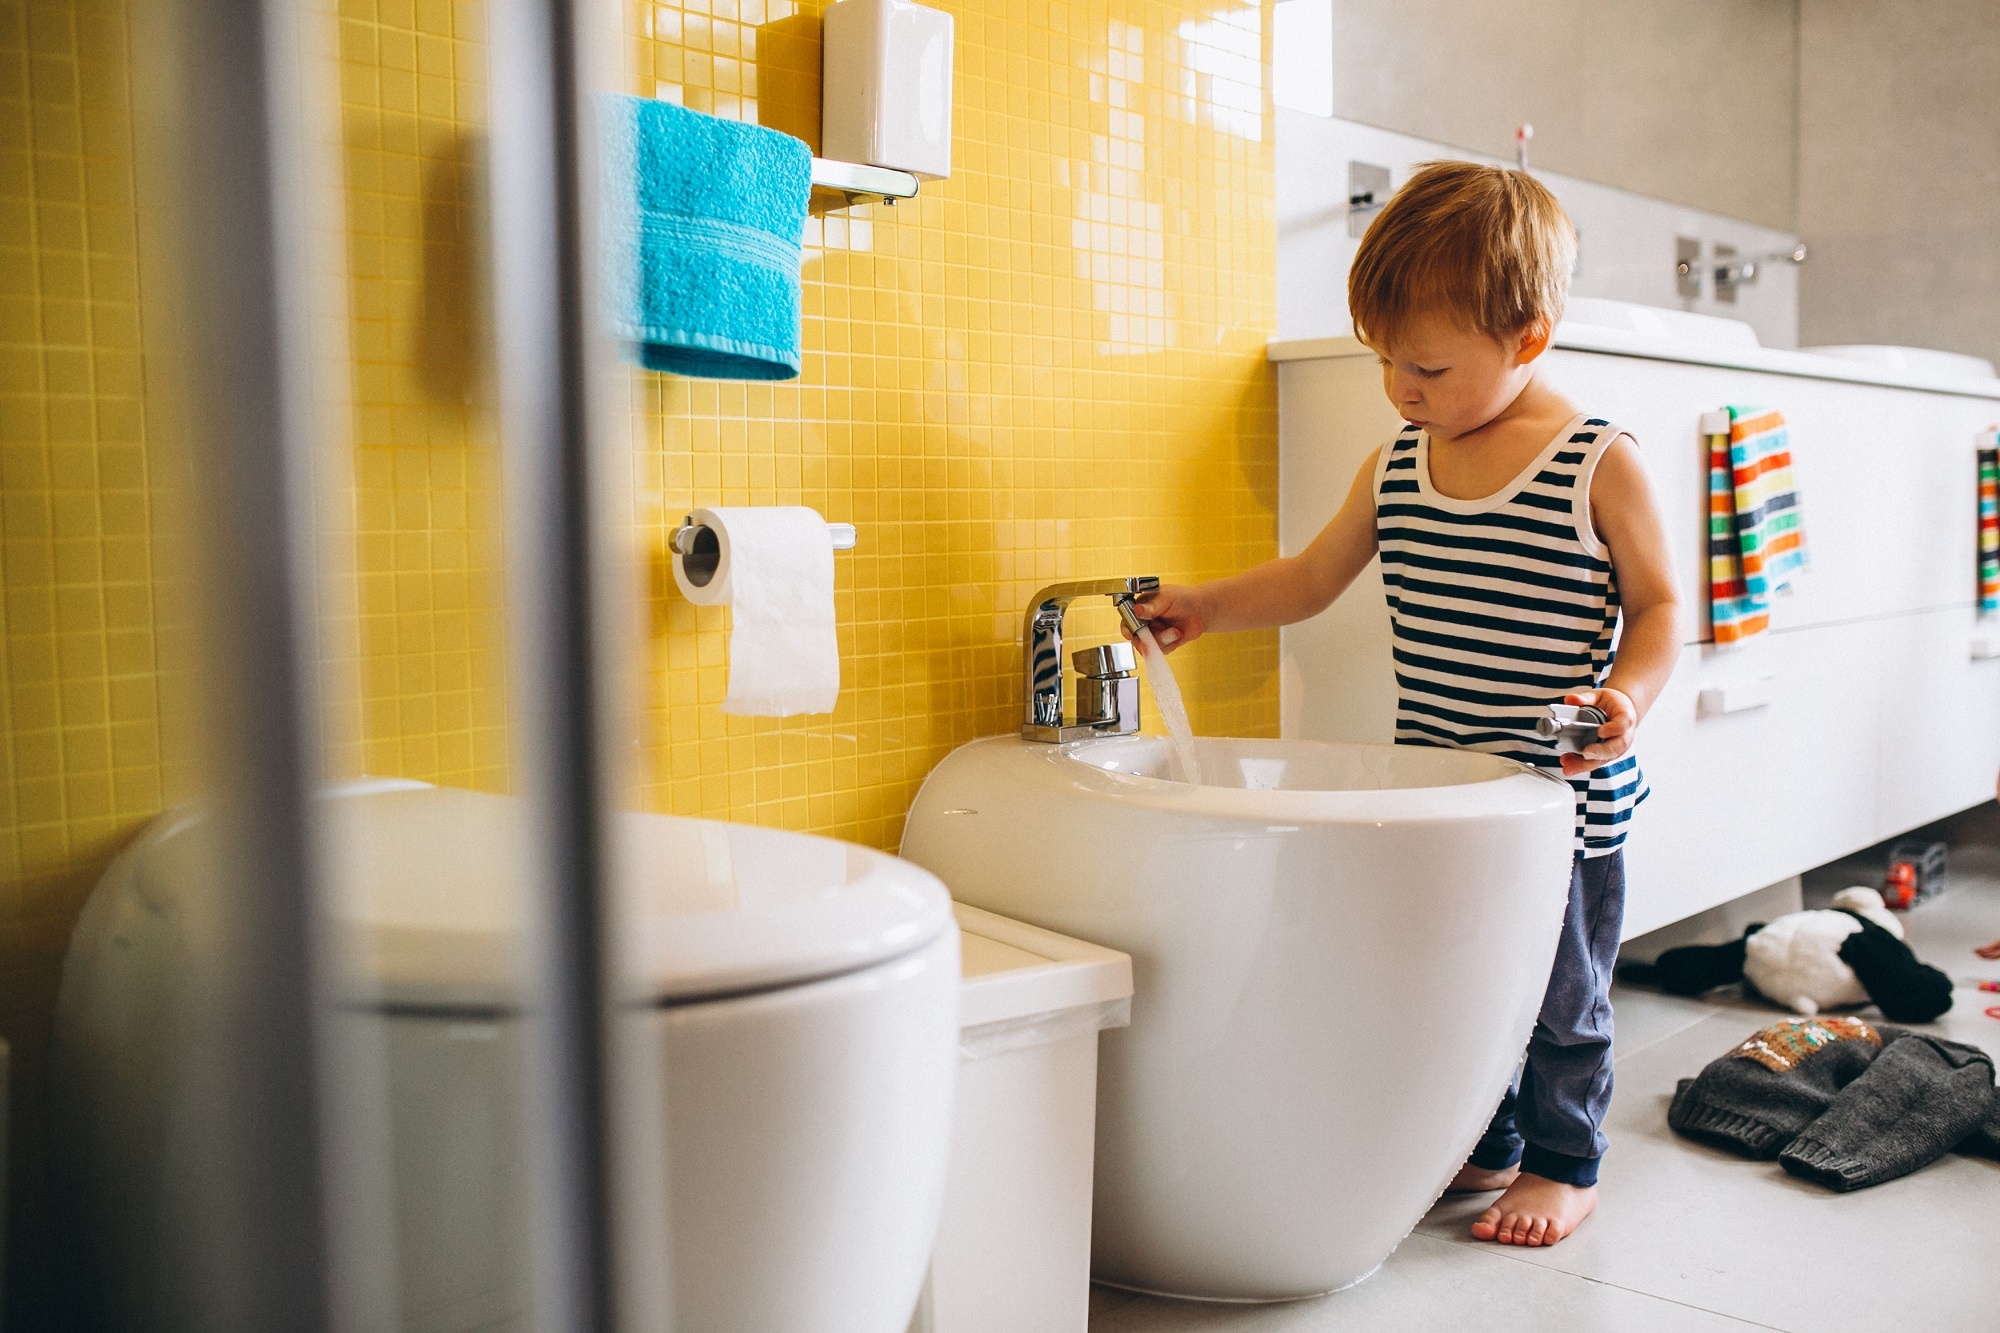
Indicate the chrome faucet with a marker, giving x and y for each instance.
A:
(1109, 705)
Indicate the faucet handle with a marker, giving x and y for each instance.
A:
(1107, 661)
(1107, 696)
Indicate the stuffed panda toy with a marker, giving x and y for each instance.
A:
(1849, 954)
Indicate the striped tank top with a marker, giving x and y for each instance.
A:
(1501, 606)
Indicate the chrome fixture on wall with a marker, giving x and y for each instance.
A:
(1367, 191)
(1687, 268)
(863, 184)
(1727, 269)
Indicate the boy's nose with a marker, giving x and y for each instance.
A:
(1403, 389)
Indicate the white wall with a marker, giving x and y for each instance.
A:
(1690, 100)
(1899, 172)
(1628, 239)
(1871, 129)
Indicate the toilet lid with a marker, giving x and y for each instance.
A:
(427, 894)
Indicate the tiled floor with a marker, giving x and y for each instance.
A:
(1687, 1237)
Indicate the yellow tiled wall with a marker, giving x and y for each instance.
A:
(76, 683)
(425, 468)
(81, 761)
(1049, 366)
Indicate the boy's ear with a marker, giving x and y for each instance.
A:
(1534, 340)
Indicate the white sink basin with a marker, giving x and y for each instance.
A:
(1337, 951)
(1659, 322)
(1910, 360)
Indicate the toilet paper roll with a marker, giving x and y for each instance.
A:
(774, 570)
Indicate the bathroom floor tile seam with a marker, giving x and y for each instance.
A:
(1428, 1283)
(1455, 1234)
(1512, 1254)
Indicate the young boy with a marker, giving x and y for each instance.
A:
(1512, 529)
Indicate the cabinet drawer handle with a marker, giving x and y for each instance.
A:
(1738, 696)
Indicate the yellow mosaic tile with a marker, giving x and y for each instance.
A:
(80, 764)
(1049, 366)
(81, 752)
(426, 515)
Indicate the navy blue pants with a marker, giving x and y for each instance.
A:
(1552, 1120)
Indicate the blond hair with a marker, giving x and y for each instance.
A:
(1488, 246)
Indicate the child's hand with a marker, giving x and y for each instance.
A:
(1613, 738)
(1175, 615)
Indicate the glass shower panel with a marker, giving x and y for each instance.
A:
(330, 1041)
(475, 1110)
(318, 607)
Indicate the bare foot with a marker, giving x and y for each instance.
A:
(1535, 1211)
(1477, 1179)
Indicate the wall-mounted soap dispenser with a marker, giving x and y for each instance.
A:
(885, 85)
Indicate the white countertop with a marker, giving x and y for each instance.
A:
(1621, 342)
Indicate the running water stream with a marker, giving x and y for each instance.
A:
(1173, 711)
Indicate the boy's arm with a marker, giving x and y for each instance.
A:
(1626, 515)
(1277, 592)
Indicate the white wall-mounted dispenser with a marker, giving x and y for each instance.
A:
(885, 86)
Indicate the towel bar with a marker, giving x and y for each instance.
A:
(863, 184)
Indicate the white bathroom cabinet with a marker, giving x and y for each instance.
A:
(1875, 716)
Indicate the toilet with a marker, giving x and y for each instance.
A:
(788, 1019)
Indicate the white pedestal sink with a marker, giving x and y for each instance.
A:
(1337, 951)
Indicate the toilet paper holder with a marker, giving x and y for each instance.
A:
(700, 552)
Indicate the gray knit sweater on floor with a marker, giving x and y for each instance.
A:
(1843, 1103)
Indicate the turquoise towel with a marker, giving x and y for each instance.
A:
(703, 220)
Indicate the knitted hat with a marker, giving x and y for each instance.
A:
(1758, 1097)
(1985, 1141)
(1920, 1099)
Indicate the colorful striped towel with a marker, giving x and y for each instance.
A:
(1767, 499)
(1734, 614)
(1756, 542)
(1989, 522)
